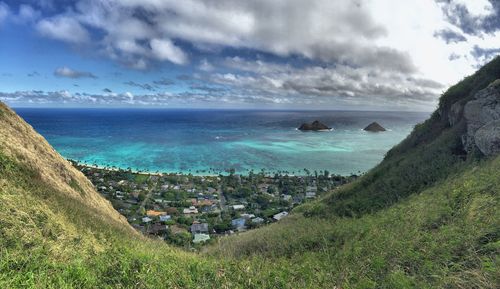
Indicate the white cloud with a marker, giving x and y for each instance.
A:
(63, 28)
(342, 50)
(330, 85)
(4, 11)
(205, 65)
(140, 31)
(27, 14)
(164, 49)
(476, 7)
(70, 73)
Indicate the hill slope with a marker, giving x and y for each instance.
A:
(426, 217)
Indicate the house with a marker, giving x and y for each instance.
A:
(200, 238)
(139, 228)
(238, 224)
(280, 216)
(208, 209)
(205, 202)
(238, 207)
(190, 210)
(247, 216)
(132, 202)
(146, 219)
(310, 195)
(257, 220)
(164, 218)
(157, 229)
(198, 228)
(153, 213)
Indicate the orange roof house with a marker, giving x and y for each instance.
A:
(153, 213)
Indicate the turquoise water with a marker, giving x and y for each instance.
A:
(212, 141)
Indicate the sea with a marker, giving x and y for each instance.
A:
(209, 142)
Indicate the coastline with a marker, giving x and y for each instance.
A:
(115, 169)
(225, 173)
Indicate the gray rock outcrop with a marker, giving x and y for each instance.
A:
(482, 118)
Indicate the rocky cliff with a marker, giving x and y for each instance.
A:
(481, 118)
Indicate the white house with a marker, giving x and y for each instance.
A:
(238, 207)
(310, 195)
(247, 216)
(190, 210)
(280, 216)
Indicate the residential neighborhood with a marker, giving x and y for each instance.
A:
(189, 210)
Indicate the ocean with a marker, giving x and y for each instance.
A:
(212, 141)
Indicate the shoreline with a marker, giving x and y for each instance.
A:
(160, 174)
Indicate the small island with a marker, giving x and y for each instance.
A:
(314, 126)
(374, 127)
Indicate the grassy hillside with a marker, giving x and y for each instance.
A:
(426, 217)
(448, 236)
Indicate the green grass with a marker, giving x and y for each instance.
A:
(446, 236)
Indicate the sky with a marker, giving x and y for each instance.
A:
(260, 54)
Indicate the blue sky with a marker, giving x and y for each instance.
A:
(319, 54)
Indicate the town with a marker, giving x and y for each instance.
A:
(190, 211)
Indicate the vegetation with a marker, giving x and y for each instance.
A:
(427, 217)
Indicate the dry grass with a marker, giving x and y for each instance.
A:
(19, 141)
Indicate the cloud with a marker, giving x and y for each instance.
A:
(107, 90)
(145, 86)
(4, 11)
(164, 49)
(63, 28)
(460, 14)
(163, 82)
(139, 32)
(27, 14)
(295, 51)
(449, 36)
(205, 65)
(64, 97)
(70, 73)
(33, 74)
(327, 85)
(484, 55)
